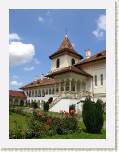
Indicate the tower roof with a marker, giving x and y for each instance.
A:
(66, 44)
(66, 47)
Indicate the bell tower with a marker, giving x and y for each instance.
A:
(65, 55)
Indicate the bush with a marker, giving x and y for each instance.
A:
(93, 115)
(34, 105)
(39, 125)
(50, 100)
(72, 109)
(46, 106)
(70, 123)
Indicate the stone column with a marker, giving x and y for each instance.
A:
(59, 87)
(64, 85)
(41, 92)
(69, 84)
(76, 86)
(55, 88)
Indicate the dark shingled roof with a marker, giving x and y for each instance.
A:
(14, 93)
(66, 48)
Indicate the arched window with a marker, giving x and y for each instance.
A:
(101, 79)
(72, 61)
(58, 63)
(95, 79)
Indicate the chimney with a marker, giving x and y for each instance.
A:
(88, 53)
(42, 76)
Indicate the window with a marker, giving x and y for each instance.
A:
(72, 62)
(101, 79)
(95, 80)
(58, 63)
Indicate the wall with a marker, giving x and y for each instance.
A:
(63, 105)
(65, 61)
(97, 68)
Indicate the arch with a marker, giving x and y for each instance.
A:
(67, 85)
(72, 61)
(58, 63)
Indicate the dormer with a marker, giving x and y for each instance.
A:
(64, 56)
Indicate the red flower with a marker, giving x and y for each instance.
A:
(49, 121)
(39, 114)
(72, 111)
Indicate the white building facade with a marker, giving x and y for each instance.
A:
(70, 80)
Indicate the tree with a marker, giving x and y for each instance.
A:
(93, 115)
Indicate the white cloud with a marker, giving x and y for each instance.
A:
(40, 19)
(14, 36)
(20, 53)
(101, 22)
(15, 83)
(29, 68)
(101, 27)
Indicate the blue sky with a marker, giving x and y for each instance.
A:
(36, 34)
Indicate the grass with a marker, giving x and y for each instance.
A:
(22, 121)
(18, 119)
(79, 135)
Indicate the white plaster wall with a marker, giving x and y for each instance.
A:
(65, 61)
(97, 68)
(64, 104)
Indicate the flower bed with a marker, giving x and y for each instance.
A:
(41, 125)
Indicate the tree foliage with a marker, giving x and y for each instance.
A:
(93, 115)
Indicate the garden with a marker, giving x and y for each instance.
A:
(33, 123)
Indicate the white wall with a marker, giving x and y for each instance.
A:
(65, 61)
(64, 104)
(97, 68)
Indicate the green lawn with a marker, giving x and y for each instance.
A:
(22, 121)
(82, 135)
(18, 119)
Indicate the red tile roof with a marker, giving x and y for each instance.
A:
(43, 82)
(66, 48)
(13, 93)
(67, 70)
(98, 56)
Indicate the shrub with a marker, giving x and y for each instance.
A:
(21, 103)
(39, 125)
(70, 123)
(50, 100)
(34, 105)
(46, 106)
(92, 115)
(72, 107)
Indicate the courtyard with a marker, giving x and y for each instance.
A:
(19, 120)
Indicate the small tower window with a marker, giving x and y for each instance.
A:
(95, 80)
(101, 78)
(58, 63)
(72, 62)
